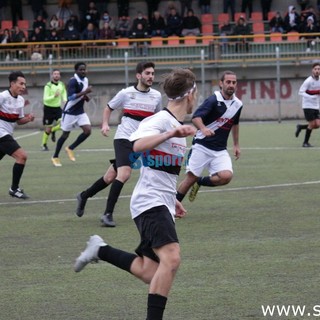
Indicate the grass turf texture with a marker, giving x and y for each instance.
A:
(253, 242)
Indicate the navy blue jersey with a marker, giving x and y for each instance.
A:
(219, 115)
(75, 106)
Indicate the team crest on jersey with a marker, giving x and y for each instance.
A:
(132, 95)
(180, 149)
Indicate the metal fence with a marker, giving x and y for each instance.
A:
(184, 51)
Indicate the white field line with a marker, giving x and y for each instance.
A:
(208, 190)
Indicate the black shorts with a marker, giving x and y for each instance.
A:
(156, 228)
(50, 115)
(122, 148)
(8, 146)
(311, 114)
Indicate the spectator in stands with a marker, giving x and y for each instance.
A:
(185, 4)
(277, 23)
(38, 9)
(292, 20)
(123, 8)
(16, 11)
(18, 36)
(157, 25)
(152, 6)
(241, 29)
(191, 25)
(140, 19)
(174, 23)
(106, 18)
(310, 27)
(71, 33)
(37, 35)
(140, 47)
(308, 12)
(5, 37)
(226, 30)
(74, 21)
(90, 32)
(229, 4)
(41, 24)
(92, 15)
(265, 8)
(205, 6)
(106, 33)
(64, 13)
(303, 4)
(170, 5)
(55, 23)
(247, 4)
(123, 27)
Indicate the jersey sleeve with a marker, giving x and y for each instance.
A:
(205, 108)
(118, 101)
(304, 88)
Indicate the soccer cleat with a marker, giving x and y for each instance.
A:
(90, 254)
(307, 145)
(53, 136)
(70, 154)
(44, 148)
(81, 205)
(56, 162)
(193, 193)
(107, 220)
(298, 130)
(18, 193)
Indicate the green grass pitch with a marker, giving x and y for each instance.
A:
(253, 242)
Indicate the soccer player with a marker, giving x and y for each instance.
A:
(214, 119)
(310, 91)
(137, 102)
(153, 203)
(54, 94)
(12, 112)
(73, 114)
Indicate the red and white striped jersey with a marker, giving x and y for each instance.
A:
(11, 110)
(136, 106)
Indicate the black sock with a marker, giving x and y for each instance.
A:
(17, 171)
(307, 136)
(59, 145)
(180, 196)
(114, 194)
(156, 306)
(99, 185)
(82, 137)
(116, 257)
(205, 181)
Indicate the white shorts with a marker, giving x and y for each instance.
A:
(203, 158)
(70, 122)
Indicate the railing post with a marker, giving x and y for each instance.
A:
(278, 88)
(203, 79)
(126, 71)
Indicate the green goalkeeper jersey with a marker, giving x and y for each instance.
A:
(50, 96)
